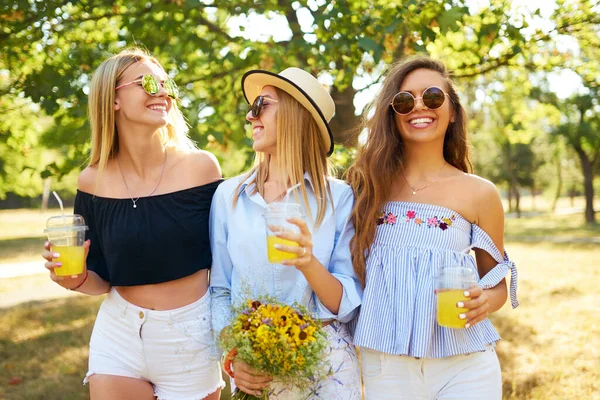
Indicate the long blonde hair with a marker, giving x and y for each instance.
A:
(300, 149)
(105, 144)
(379, 161)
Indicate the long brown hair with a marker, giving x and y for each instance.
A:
(300, 149)
(378, 162)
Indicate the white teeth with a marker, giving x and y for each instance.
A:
(157, 107)
(257, 129)
(419, 121)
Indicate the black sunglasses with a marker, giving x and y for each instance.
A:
(258, 104)
(404, 102)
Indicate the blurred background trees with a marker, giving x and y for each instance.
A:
(512, 61)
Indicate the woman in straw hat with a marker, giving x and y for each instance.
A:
(145, 196)
(289, 114)
(419, 210)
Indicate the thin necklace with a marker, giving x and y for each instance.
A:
(414, 189)
(153, 190)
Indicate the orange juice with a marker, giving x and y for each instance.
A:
(447, 311)
(72, 259)
(276, 256)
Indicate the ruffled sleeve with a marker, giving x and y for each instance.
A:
(481, 240)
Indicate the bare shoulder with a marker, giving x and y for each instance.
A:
(86, 182)
(481, 186)
(200, 166)
(486, 197)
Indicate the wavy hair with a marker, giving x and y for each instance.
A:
(379, 161)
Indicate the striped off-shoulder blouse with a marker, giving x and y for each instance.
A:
(398, 313)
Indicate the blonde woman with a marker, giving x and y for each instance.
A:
(292, 139)
(146, 198)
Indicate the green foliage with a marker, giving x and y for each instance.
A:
(50, 49)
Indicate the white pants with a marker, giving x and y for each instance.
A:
(474, 376)
(174, 350)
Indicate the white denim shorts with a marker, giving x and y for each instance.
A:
(473, 376)
(174, 350)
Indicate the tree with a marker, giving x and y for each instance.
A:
(581, 129)
(50, 48)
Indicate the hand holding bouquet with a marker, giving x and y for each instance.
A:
(277, 340)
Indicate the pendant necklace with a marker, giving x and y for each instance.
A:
(153, 190)
(414, 189)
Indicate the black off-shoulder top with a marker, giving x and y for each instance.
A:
(163, 239)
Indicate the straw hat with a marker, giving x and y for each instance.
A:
(303, 87)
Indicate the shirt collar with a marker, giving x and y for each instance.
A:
(252, 176)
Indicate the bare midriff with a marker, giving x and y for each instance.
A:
(167, 295)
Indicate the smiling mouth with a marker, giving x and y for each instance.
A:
(257, 129)
(158, 107)
(423, 121)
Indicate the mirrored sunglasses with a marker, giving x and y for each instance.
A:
(258, 104)
(151, 85)
(404, 102)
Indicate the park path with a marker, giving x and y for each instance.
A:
(32, 290)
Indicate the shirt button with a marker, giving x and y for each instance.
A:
(141, 315)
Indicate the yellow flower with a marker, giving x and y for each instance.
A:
(302, 336)
(262, 332)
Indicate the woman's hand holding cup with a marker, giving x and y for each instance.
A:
(478, 305)
(68, 282)
(304, 240)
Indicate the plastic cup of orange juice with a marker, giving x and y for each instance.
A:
(66, 234)
(451, 282)
(276, 216)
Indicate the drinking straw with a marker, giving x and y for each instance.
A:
(287, 192)
(60, 203)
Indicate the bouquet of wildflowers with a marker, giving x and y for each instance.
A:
(282, 341)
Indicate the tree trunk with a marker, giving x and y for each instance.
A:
(517, 201)
(588, 185)
(345, 124)
(46, 193)
(510, 197)
(559, 185)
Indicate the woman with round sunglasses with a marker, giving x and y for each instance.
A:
(145, 197)
(419, 208)
(289, 115)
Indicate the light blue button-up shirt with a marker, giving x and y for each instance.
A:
(241, 270)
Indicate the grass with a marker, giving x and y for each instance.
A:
(46, 345)
(551, 342)
(544, 203)
(550, 347)
(563, 225)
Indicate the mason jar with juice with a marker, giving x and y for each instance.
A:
(66, 234)
(451, 282)
(276, 220)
